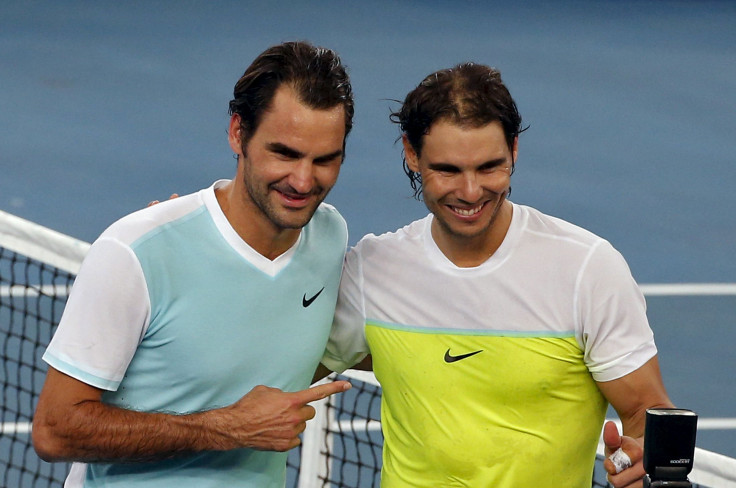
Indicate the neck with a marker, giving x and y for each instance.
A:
(246, 219)
(468, 251)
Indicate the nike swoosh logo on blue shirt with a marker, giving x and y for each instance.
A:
(308, 301)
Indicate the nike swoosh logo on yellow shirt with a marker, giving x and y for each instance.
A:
(451, 359)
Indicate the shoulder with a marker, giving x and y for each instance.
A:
(548, 227)
(565, 245)
(327, 212)
(328, 219)
(150, 220)
(389, 243)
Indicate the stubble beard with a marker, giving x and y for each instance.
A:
(279, 217)
(469, 236)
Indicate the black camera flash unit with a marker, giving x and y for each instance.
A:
(669, 447)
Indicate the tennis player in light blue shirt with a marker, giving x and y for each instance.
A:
(186, 349)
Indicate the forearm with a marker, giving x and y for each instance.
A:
(95, 432)
(634, 393)
(73, 424)
(633, 418)
(633, 422)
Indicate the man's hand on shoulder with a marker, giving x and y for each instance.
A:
(154, 202)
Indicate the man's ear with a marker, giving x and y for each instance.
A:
(412, 160)
(235, 135)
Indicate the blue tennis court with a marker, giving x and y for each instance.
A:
(632, 107)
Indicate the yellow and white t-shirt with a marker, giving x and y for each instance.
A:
(489, 373)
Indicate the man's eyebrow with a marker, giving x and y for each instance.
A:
(442, 165)
(329, 156)
(494, 162)
(283, 149)
(290, 152)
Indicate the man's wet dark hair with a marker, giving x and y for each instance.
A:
(469, 95)
(316, 74)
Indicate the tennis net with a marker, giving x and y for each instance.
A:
(341, 447)
(37, 268)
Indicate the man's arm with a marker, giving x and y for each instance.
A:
(73, 424)
(631, 396)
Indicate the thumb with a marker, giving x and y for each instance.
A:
(611, 437)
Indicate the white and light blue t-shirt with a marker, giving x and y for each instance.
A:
(173, 312)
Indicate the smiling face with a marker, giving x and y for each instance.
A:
(466, 175)
(291, 162)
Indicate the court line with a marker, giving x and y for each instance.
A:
(375, 425)
(703, 424)
(685, 289)
(711, 423)
(649, 289)
(19, 291)
(15, 428)
(372, 424)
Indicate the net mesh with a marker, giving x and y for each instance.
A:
(32, 297)
(353, 437)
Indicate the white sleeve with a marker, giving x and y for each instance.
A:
(614, 328)
(105, 317)
(347, 344)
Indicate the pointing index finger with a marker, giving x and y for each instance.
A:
(322, 391)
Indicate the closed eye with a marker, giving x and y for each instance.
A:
(493, 166)
(448, 169)
(329, 158)
(285, 152)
